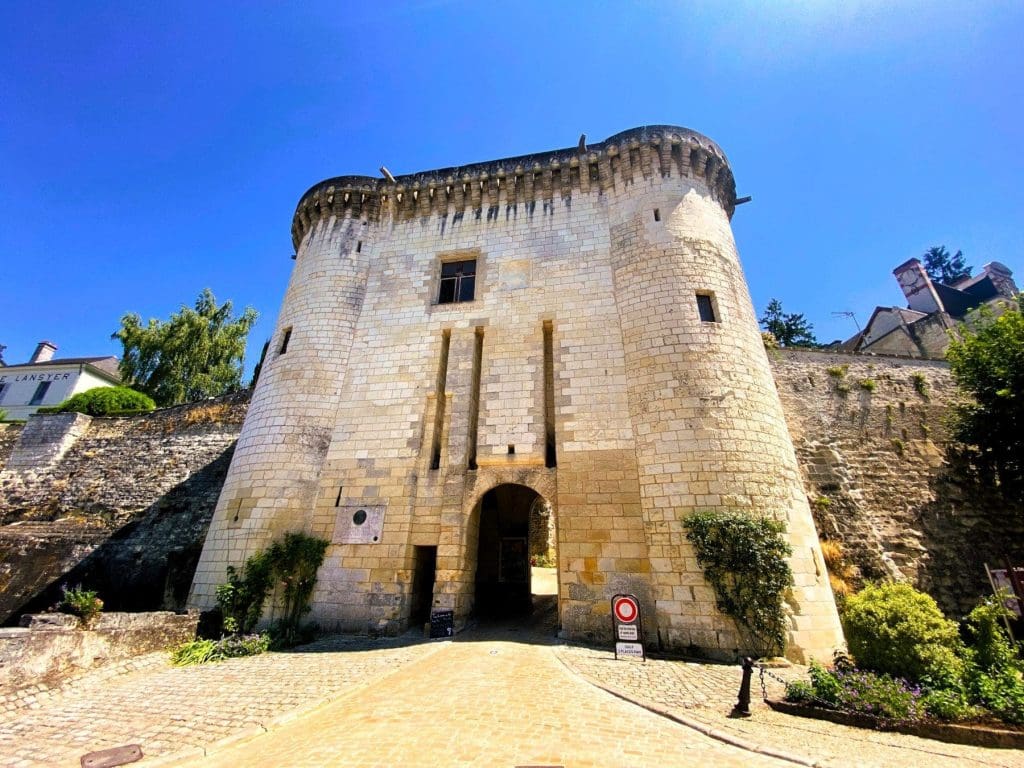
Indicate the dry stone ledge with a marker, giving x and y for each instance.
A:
(49, 647)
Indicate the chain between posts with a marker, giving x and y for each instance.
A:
(776, 678)
(823, 702)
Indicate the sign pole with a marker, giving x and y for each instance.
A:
(1006, 611)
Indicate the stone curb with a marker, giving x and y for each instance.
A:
(698, 725)
(189, 755)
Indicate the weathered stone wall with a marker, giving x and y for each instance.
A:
(49, 647)
(44, 441)
(124, 510)
(871, 437)
(9, 434)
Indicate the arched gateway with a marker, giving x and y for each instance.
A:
(508, 548)
(574, 322)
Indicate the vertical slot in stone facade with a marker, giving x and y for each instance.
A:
(439, 405)
(474, 398)
(550, 455)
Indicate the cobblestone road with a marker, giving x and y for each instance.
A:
(485, 700)
(493, 697)
(706, 693)
(168, 709)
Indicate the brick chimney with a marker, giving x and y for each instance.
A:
(917, 287)
(44, 352)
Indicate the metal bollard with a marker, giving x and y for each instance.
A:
(742, 708)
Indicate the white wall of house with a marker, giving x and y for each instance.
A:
(19, 384)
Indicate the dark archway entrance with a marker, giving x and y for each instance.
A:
(503, 570)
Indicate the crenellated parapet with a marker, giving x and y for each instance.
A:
(623, 159)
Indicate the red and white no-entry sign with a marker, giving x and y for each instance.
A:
(626, 609)
(627, 627)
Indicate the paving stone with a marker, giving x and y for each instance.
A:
(706, 693)
(486, 699)
(493, 697)
(167, 709)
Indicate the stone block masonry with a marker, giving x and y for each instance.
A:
(45, 441)
(904, 512)
(605, 358)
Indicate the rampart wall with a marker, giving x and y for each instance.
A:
(127, 507)
(870, 434)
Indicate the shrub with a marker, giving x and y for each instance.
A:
(883, 696)
(105, 401)
(895, 629)
(1001, 691)
(241, 599)
(838, 371)
(948, 705)
(994, 672)
(868, 385)
(292, 562)
(825, 685)
(745, 560)
(295, 561)
(856, 690)
(983, 628)
(204, 651)
(542, 561)
(3, 415)
(800, 692)
(83, 603)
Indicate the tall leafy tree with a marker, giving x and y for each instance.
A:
(197, 353)
(987, 362)
(943, 268)
(790, 330)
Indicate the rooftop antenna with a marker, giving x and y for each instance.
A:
(849, 315)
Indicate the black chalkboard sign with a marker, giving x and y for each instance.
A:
(442, 624)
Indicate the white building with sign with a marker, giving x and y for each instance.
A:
(45, 381)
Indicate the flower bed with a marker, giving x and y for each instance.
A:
(973, 734)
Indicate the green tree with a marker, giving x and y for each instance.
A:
(790, 330)
(943, 268)
(987, 361)
(197, 353)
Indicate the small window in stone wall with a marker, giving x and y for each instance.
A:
(40, 393)
(284, 341)
(458, 281)
(706, 308)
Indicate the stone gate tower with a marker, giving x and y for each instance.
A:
(572, 325)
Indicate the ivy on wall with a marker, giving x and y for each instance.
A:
(745, 560)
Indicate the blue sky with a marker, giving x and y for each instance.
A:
(149, 150)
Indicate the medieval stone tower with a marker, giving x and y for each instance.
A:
(572, 326)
